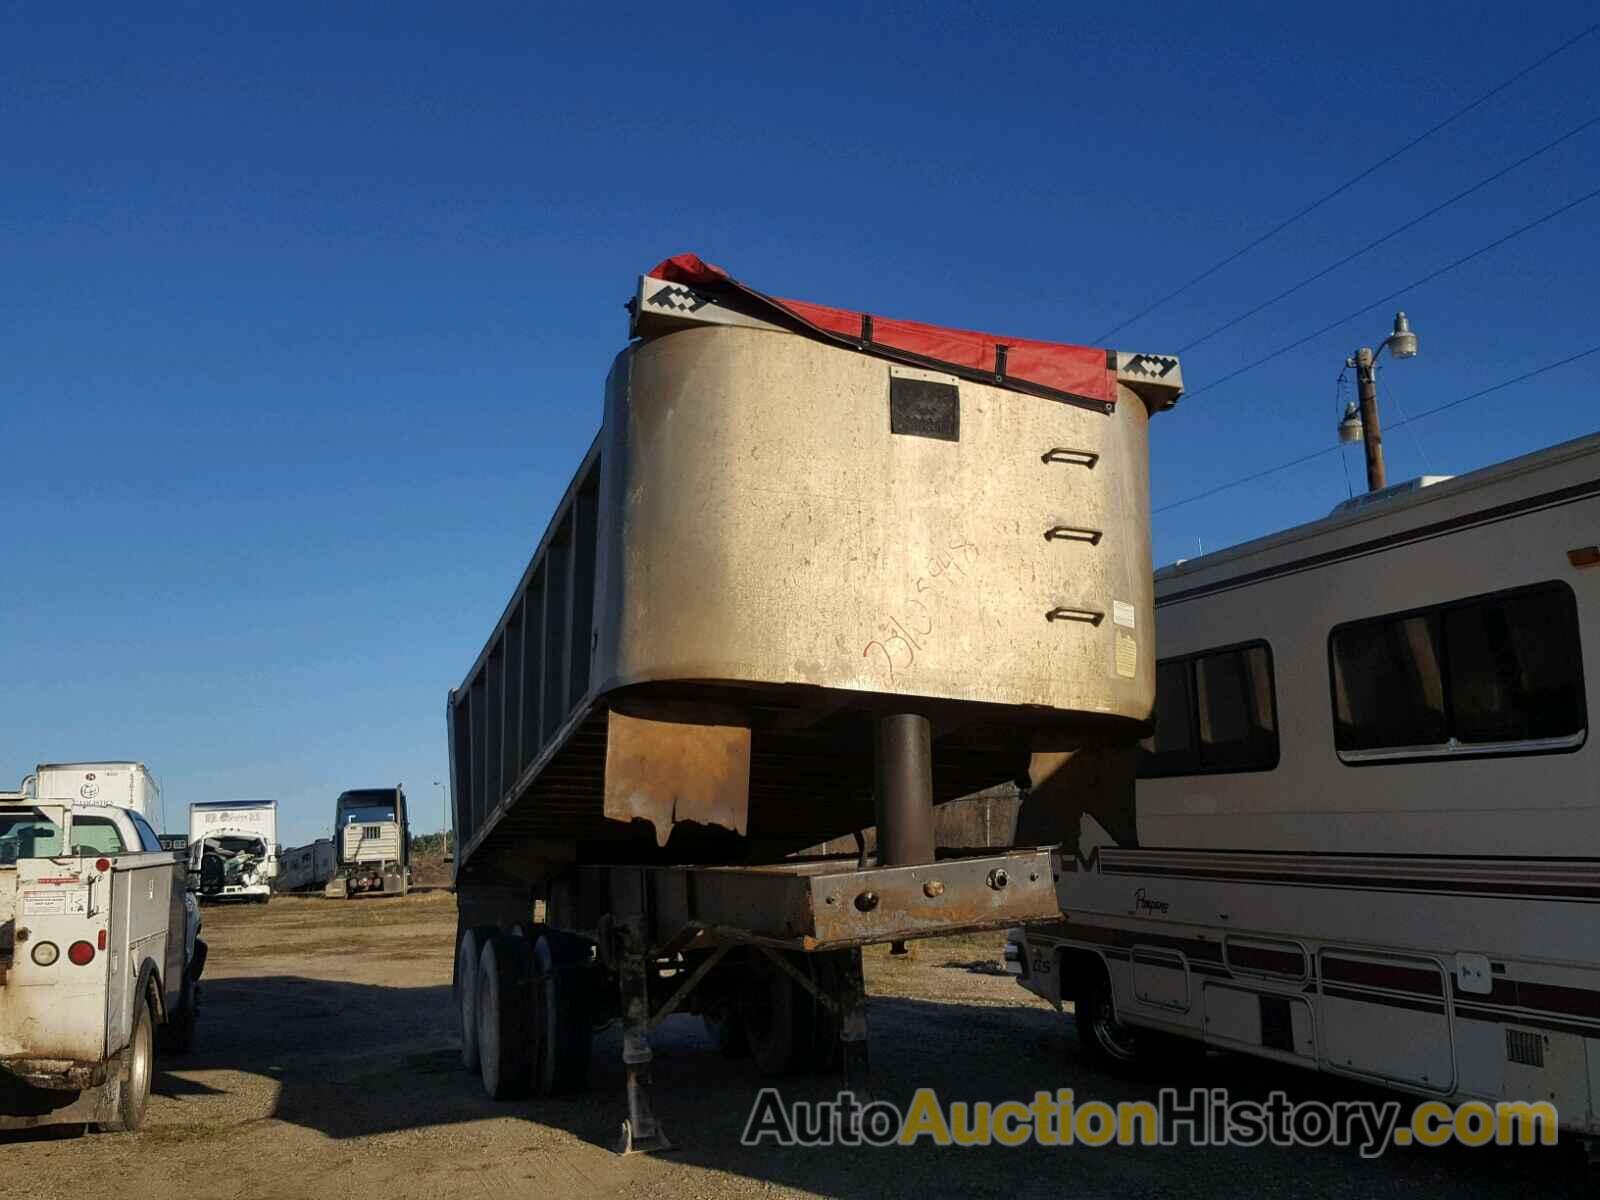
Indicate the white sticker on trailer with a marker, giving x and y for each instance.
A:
(58, 902)
(1122, 613)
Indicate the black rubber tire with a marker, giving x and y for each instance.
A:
(779, 1017)
(1112, 1046)
(564, 1041)
(505, 1033)
(469, 949)
(133, 1089)
(726, 1030)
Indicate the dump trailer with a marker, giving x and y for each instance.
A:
(819, 572)
(372, 844)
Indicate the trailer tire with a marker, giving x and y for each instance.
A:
(133, 1088)
(468, 951)
(726, 1030)
(564, 1040)
(779, 1017)
(505, 1032)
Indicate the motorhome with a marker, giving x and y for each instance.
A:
(302, 868)
(1367, 832)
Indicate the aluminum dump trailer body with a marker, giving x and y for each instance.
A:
(794, 520)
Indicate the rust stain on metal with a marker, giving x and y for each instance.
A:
(669, 771)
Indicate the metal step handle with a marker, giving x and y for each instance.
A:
(1070, 456)
(1073, 533)
(1092, 615)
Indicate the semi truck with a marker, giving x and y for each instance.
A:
(819, 571)
(233, 849)
(372, 844)
(100, 962)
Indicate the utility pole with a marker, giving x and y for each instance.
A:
(1371, 433)
(1362, 422)
(444, 809)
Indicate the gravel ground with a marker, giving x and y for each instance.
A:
(325, 1067)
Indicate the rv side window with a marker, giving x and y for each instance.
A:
(1215, 712)
(1170, 750)
(1494, 674)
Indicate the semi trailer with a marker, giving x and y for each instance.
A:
(819, 572)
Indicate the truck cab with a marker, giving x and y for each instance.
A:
(233, 849)
(372, 844)
(99, 954)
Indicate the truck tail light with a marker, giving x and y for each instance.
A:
(100, 939)
(80, 954)
(46, 953)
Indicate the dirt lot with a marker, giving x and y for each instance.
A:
(325, 1067)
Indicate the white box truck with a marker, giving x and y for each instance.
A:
(84, 784)
(233, 849)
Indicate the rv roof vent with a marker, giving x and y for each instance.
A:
(1388, 493)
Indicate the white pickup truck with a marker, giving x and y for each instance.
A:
(99, 950)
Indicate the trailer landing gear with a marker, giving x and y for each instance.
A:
(769, 955)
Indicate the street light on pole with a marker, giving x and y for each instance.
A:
(1362, 423)
(444, 810)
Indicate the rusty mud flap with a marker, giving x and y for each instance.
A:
(58, 1074)
(833, 904)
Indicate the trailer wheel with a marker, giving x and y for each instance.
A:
(779, 1017)
(133, 1088)
(505, 1033)
(726, 1030)
(564, 980)
(468, 950)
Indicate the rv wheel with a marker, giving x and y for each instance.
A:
(1107, 1041)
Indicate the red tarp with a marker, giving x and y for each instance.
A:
(1051, 368)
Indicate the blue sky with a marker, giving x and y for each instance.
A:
(305, 309)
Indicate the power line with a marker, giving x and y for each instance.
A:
(1346, 185)
(1394, 233)
(1400, 291)
(1428, 412)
